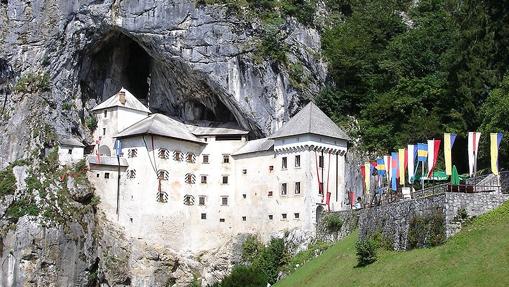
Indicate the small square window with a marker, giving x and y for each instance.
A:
(283, 215)
(297, 161)
(244, 195)
(244, 171)
(106, 175)
(203, 216)
(284, 162)
(69, 151)
(226, 158)
(225, 179)
(98, 175)
(296, 215)
(297, 188)
(270, 193)
(271, 216)
(221, 219)
(201, 200)
(205, 158)
(204, 179)
(271, 168)
(244, 218)
(283, 189)
(224, 200)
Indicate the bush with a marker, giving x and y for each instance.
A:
(22, 207)
(245, 276)
(7, 181)
(251, 248)
(32, 82)
(333, 222)
(91, 123)
(366, 252)
(426, 231)
(271, 259)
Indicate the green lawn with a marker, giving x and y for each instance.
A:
(477, 256)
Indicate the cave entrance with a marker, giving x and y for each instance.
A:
(116, 61)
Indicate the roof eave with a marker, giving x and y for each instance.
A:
(164, 136)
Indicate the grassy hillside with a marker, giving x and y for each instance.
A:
(477, 256)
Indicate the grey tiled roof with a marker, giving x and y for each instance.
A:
(263, 144)
(161, 125)
(70, 142)
(203, 128)
(310, 120)
(131, 102)
(107, 160)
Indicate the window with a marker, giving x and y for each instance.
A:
(271, 216)
(226, 158)
(296, 215)
(201, 200)
(270, 193)
(271, 168)
(106, 175)
(177, 156)
(205, 158)
(163, 174)
(244, 218)
(320, 161)
(69, 151)
(104, 131)
(98, 175)
(105, 113)
(131, 174)
(203, 179)
(224, 200)
(190, 178)
(244, 171)
(283, 189)
(283, 215)
(221, 219)
(132, 152)
(297, 188)
(297, 161)
(284, 162)
(225, 179)
(203, 216)
(244, 195)
(163, 153)
(188, 199)
(190, 157)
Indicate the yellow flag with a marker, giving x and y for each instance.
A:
(495, 139)
(401, 157)
(367, 168)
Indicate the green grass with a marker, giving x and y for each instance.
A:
(477, 256)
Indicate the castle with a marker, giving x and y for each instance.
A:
(195, 185)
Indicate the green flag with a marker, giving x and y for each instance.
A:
(455, 178)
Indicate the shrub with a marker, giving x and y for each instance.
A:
(366, 252)
(333, 222)
(22, 207)
(7, 181)
(251, 248)
(427, 231)
(272, 258)
(246, 276)
(91, 123)
(32, 82)
(383, 241)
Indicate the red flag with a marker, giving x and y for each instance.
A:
(327, 200)
(436, 150)
(363, 173)
(351, 196)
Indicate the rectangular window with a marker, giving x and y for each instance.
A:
(106, 175)
(271, 216)
(69, 151)
(221, 219)
(297, 161)
(296, 215)
(201, 200)
(320, 161)
(104, 131)
(271, 168)
(224, 200)
(204, 179)
(105, 113)
(283, 189)
(283, 215)
(244, 171)
(244, 218)
(284, 162)
(225, 179)
(132, 152)
(190, 157)
(297, 188)
(205, 158)
(98, 175)
(203, 216)
(270, 193)
(244, 196)
(226, 158)
(177, 155)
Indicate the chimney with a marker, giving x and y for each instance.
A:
(121, 97)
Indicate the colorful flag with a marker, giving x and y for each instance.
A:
(422, 152)
(495, 139)
(367, 178)
(387, 161)
(401, 158)
(394, 171)
(433, 150)
(411, 153)
(473, 146)
(118, 147)
(448, 143)
(380, 166)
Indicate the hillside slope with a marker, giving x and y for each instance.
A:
(477, 256)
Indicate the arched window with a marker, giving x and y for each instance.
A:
(104, 150)
(190, 157)
(188, 199)
(131, 174)
(163, 153)
(132, 152)
(163, 174)
(190, 178)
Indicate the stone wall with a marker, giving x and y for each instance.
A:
(350, 219)
(474, 204)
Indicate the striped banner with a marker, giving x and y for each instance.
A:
(401, 160)
(422, 152)
(473, 146)
(394, 171)
(495, 139)
(448, 144)
(433, 150)
(411, 153)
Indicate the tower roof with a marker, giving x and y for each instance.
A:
(310, 120)
(131, 102)
(160, 125)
